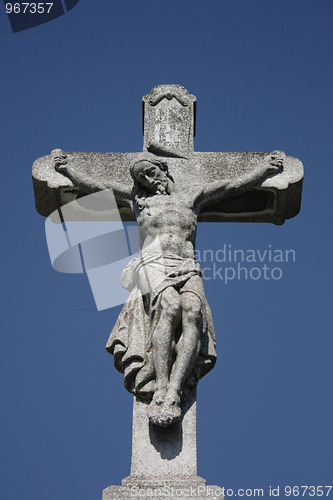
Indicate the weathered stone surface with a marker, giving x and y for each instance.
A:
(169, 121)
(164, 452)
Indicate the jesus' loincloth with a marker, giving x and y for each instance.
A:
(130, 341)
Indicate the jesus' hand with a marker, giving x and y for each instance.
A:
(276, 161)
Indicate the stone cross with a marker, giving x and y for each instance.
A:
(164, 339)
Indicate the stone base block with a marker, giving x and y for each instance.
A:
(180, 490)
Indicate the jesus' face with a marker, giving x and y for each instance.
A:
(153, 178)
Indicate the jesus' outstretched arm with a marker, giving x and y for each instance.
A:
(216, 191)
(89, 182)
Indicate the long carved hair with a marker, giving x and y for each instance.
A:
(140, 192)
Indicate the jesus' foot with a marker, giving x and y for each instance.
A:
(156, 402)
(167, 413)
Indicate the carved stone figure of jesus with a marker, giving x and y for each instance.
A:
(164, 338)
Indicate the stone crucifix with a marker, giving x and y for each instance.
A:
(164, 339)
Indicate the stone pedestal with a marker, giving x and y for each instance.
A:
(164, 452)
(164, 460)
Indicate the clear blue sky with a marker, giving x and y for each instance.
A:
(262, 74)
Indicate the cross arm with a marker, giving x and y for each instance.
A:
(63, 176)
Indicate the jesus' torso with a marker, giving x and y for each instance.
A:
(167, 224)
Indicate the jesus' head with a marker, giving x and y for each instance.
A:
(151, 176)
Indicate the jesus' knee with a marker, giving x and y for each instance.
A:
(191, 305)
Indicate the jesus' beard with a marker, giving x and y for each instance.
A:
(162, 188)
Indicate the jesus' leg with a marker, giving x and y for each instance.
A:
(162, 337)
(187, 352)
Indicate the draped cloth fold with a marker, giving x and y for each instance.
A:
(130, 341)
